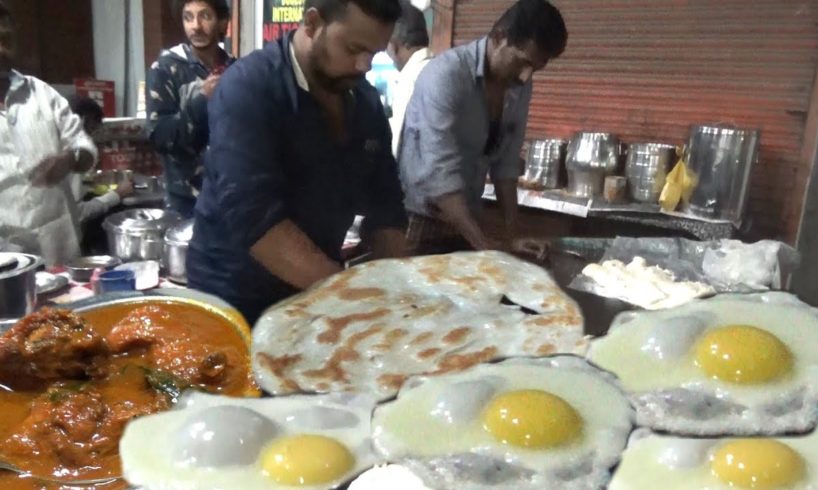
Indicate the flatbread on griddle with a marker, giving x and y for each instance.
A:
(369, 328)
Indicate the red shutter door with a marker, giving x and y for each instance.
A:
(648, 69)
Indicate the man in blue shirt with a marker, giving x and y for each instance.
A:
(299, 144)
(466, 119)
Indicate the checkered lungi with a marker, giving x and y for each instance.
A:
(429, 236)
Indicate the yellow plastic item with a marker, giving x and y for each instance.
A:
(679, 186)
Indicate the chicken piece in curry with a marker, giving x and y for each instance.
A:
(70, 383)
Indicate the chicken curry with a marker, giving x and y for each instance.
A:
(70, 383)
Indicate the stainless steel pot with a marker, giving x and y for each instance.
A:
(177, 239)
(543, 164)
(138, 234)
(722, 158)
(591, 157)
(646, 169)
(18, 284)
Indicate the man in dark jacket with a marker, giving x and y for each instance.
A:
(299, 146)
(179, 85)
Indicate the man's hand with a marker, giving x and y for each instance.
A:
(53, 169)
(124, 189)
(210, 84)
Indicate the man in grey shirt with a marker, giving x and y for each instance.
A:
(466, 119)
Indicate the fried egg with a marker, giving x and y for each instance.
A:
(732, 365)
(671, 463)
(553, 422)
(215, 442)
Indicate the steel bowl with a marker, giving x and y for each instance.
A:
(18, 284)
(545, 160)
(647, 167)
(81, 269)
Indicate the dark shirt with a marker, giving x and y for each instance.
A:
(271, 158)
(177, 121)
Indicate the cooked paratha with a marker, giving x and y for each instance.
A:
(369, 328)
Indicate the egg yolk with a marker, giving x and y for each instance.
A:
(757, 463)
(742, 354)
(531, 419)
(306, 460)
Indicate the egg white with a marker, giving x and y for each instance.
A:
(434, 427)
(151, 446)
(652, 354)
(671, 463)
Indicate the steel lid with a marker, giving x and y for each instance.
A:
(13, 264)
(180, 234)
(721, 129)
(142, 220)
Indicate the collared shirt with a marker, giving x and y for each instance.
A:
(404, 87)
(298, 73)
(446, 131)
(272, 158)
(38, 123)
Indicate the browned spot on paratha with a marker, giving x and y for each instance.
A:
(422, 338)
(358, 337)
(392, 337)
(553, 320)
(456, 336)
(337, 325)
(428, 353)
(279, 366)
(333, 370)
(391, 382)
(546, 349)
(459, 362)
(356, 294)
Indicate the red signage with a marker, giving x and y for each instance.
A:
(100, 91)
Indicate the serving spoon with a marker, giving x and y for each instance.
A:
(5, 466)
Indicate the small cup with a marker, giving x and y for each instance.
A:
(112, 281)
(614, 189)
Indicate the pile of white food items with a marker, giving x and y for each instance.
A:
(649, 287)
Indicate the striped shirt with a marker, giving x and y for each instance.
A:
(36, 123)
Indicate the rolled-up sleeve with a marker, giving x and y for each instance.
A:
(243, 163)
(435, 105)
(508, 166)
(385, 200)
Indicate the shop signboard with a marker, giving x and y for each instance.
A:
(280, 17)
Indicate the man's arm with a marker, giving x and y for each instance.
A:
(78, 153)
(176, 126)
(97, 206)
(385, 217)
(507, 169)
(244, 168)
(452, 208)
(290, 255)
(437, 173)
(506, 191)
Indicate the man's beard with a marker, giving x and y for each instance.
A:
(326, 81)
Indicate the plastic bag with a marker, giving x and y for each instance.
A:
(679, 186)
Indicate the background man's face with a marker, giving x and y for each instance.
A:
(516, 65)
(342, 51)
(202, 26)
(7, 46)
